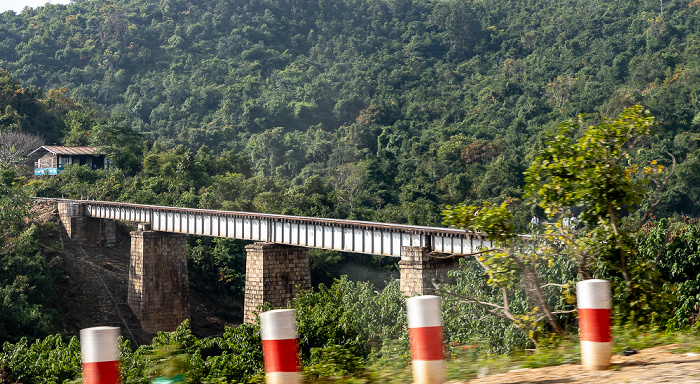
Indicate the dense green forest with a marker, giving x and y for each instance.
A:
(386, 110)
(383, 110)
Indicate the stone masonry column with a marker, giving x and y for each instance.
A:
(158, 284)
(86, 231)
(274, 273)
(418, 270)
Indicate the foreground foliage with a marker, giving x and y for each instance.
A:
(237, 357)
(25, 273)
(673, 246)
(342, 328)
(592, 171)
(602, 173)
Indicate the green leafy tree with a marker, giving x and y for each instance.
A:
(350, 315)
(25, 275)
(590, 171)
(515, 267)
(674, 248)
(122, 144)
(48, 360)
(595, 173)
(79, 124)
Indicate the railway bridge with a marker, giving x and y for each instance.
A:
(277, 264)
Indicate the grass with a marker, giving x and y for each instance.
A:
(468, 365)
(468, 362)
(641, 338)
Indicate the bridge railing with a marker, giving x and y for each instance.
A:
(366, 237)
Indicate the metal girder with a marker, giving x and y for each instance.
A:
(340, 235)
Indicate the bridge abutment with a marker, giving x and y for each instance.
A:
(418, 270)
(86, 231)
(158, 283)
(274, 274)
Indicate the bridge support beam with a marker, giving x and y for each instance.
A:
(86, 231)
(418, 270)
(158, 284)
(274, 274)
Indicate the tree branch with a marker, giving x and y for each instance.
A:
(506, 302)
(490, 308)
(660, 187)
(14, 146)
(452, 256)
(555, 313)
(618, 240)
(553, 285)
(539, 296)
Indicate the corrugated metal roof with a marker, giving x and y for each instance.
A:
(59, 150)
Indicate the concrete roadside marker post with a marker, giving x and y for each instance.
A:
(595, 319)
(99, 347)
(427, 345)
(280, 347)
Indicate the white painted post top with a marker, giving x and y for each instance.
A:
(278, 324)
(594, 294)
(99, 344)
(424, 311)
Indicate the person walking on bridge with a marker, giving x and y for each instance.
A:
(534, 222)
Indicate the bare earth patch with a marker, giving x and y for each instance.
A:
(653, 365)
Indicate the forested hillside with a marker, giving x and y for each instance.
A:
(384, 109)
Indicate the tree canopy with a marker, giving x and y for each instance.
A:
(430, 102)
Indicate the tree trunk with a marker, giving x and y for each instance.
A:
(540, 298)
(618, 239)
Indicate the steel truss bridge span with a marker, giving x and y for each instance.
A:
(341, 235)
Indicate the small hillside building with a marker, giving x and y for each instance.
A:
(51, 160)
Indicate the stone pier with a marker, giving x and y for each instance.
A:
(418, 270)
(275, 274)
(87, 231)
(158, 284)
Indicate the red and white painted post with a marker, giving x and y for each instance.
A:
(99, 347)
(280, 347)
(427, 345)
(595, 320)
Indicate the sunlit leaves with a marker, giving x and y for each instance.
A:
(493, 219)
(515, 265)
(591, 170)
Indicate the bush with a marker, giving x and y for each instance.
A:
(50, 360)
(341, 329)
(674, 248)
(351, 315)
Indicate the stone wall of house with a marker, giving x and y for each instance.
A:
(49, 160)
(419, 270)
(158, 283)
(275, 274)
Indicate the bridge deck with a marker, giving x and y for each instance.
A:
(341, 235)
